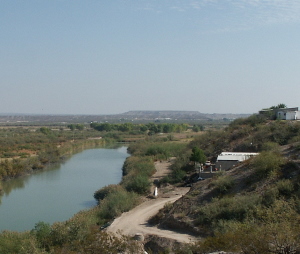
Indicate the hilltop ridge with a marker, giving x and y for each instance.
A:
(136, 115)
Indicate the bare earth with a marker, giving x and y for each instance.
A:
(135, 221)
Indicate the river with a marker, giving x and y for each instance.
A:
(58, 193)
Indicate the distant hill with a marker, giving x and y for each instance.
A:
(137, 116)
(182, 115)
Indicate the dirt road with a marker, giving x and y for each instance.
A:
(135, 221)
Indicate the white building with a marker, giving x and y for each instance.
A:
(227, 160)
(292, 115)
(288, 114)
(235, 156)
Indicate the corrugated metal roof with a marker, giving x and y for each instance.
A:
(235, 156)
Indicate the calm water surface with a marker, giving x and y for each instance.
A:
(58, 193)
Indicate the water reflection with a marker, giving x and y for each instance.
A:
(20, 182)
(58, 193)
(89, 203)
(10, 185)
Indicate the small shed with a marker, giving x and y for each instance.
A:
(227, 160)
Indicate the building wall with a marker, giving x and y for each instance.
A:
(225, 165)
(281, 115)
(290, 115)
(227, 160)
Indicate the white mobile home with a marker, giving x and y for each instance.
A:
(227, 160)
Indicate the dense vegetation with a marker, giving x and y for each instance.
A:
(24, 150)
(150, 128)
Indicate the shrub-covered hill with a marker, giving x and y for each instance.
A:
(252, 134)
(253, 207)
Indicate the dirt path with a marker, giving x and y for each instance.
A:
(135, 221)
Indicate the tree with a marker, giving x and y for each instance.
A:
(79, 127)
(72, 127)
(197, 128)
(45, 130)
(198, 155)
(280, 105)
(125, 127)
(42, 232)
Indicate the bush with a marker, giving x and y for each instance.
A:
(223, 184)
(156, 150)
(285, 187)
(139, 184)
(103, 192)
(267, 163)
(277, 225)
(15, 242)
(230, 208)
(252, 120)
(270, 196)
(177, 175)
(116, 203)
(270, 146)
(42, 232)
(135, 165)
(137, 171)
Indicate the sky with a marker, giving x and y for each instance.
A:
(114, 56)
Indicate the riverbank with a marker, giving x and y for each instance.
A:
(54, 154)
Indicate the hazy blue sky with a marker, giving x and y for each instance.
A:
(112, 56)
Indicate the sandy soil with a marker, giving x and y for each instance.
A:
(135, 221)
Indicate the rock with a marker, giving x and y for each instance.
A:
(139, 237)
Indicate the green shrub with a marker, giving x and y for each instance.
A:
(42, 232)
(177, 175)
(285, 187)
(15, 242)
(135, 165)
(182, 163)
(223, 184)
(236, 208)
(139, 183)
(157, 150)
(267, 163)
(136, 171)
(270, 146)
(252, 120)
(103, 192)
(116, 203)
(270, 196)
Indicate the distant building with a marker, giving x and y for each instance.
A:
(227, 160)
(288, 115)
(282, 113)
